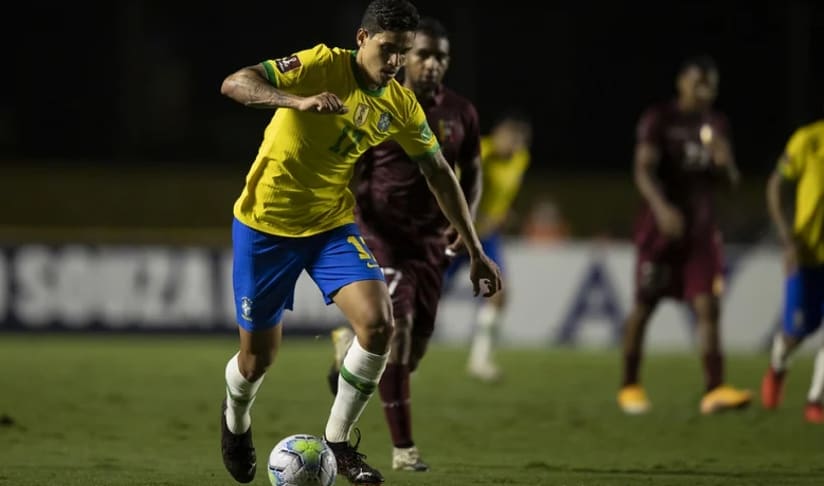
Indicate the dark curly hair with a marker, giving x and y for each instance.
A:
(390, 15)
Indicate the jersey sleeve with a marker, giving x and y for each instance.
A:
(415, 136)
(290, 72)
(792, 163)
(649, 128)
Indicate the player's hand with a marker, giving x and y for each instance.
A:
(456, 245)
(790, 258)
(323, 103)
(484, 271)
(670, 221)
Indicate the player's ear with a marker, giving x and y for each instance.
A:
(360, 36)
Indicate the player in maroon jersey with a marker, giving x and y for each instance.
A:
(407, 232)
(682, 155)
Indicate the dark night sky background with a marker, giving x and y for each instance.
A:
(138, 82)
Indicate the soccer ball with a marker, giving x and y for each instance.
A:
(302, 460)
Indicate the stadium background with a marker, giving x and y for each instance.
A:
(119, 163)
(115, 133)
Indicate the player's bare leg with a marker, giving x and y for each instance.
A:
(813, 410)
(367, 306)
(632, 398)
(718, 396)
(395, 396)
(244, 374)
(772, 384)
(481, 360)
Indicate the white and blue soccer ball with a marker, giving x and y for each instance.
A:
(302, 460)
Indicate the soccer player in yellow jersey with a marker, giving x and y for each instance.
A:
(505, 157)
(295, 214)
(801, 165)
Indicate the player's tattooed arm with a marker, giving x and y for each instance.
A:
(670, 221)
(250, 87)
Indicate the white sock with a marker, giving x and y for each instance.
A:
(240, 394)
(358, 380)
(778, 354)
(486, 328)
(817, 385)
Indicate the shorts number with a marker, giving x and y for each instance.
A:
(360, 244)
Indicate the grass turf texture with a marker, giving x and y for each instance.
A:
(144, 410)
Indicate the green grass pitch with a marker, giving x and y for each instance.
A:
(144, 410)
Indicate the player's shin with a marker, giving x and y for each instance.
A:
(240, 395)
(779, 353)
(359, 377)
(489, 316)
(816, 393)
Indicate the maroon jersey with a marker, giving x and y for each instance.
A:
(692, 265)
(686, 169)
(394, 202)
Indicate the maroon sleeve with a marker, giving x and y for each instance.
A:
(649, 129)
(471, 146)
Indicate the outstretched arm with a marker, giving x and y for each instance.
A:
(250, 87)
(444, 185)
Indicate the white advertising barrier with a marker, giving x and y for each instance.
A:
(576, 294)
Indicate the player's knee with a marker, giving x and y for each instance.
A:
(254, 365)
(374, 326)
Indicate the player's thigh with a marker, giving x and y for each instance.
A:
(347, 274)
(803, 292)
(703, 270)
(265, 269)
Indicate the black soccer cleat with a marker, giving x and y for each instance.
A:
(332, 379)
(351, 463)
(237, 450)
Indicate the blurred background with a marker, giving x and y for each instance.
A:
(121, 160)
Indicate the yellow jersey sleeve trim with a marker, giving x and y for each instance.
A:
(427, 154)
(270, 73)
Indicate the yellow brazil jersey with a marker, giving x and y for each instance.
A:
(804, 163)
(501, 181)
(298, 183)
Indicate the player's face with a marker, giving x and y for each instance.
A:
(383, 54)
(427, 62)
(698, 86)
(511, 136)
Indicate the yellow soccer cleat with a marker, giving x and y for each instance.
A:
(633, 400)
(725, 397)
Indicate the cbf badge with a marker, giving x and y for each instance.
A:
(384, 121)
(246, 308)
(361, 112)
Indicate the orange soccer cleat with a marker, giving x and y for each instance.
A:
(772, 388)
(724, 397)
(814, 413)
(633, 400)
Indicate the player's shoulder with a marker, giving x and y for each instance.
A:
(322, 52)
(815, 128)
(458, 102)
(658, 111)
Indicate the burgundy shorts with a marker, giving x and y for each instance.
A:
(414, 273)
(682, 269)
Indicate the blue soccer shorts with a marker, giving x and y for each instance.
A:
(265, 269)
(803, 301)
